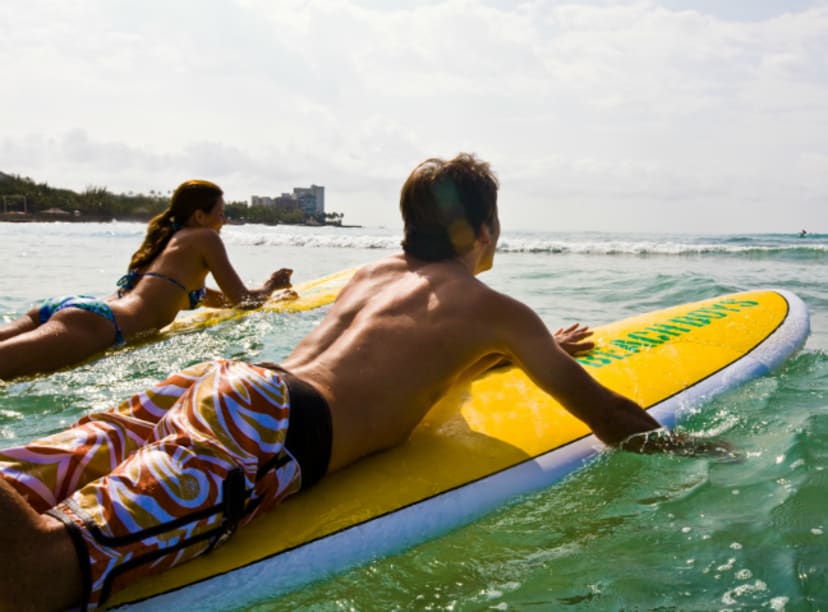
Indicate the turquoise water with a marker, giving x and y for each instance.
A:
(626, 532)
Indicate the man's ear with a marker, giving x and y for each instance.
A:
(484, 235)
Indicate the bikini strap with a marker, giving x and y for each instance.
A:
(127, 282)
(167, 278)
(196, 295)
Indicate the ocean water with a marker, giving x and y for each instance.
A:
(626, 532)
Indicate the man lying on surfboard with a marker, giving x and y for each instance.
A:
(171, 473)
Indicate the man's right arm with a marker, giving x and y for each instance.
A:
(616, 420)
(529, 344)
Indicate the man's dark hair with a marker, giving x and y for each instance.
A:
(444, 204)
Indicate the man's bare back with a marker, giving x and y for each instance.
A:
(396, 339)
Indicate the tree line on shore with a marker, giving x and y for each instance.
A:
(21, 198)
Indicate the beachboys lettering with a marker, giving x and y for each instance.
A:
(661, 333)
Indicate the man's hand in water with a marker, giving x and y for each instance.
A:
(680, 443)
(573, 339)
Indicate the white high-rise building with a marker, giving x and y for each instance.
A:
(310, 199)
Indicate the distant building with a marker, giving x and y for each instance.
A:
(310, 199)
(13, 203)
(261, 201)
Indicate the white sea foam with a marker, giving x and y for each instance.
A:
(579, 243)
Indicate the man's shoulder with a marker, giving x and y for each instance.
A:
(410, 275)
(444, 273)
(389, 264)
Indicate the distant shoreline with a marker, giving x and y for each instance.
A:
(70, 218)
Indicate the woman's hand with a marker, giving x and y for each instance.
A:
(283, 295)
(278, 280)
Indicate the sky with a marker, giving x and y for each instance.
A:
(637, 116)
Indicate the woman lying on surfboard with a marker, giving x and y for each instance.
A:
(166, 274)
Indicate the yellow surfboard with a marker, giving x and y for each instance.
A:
(482, 445)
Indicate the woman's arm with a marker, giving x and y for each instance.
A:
(280, 279)
(215, 299)
(233, 290)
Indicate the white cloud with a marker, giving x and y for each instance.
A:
(596, 115)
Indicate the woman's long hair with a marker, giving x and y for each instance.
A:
(189, 197)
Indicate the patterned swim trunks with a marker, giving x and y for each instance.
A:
(165, 476)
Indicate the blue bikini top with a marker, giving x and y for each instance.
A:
(128, 281)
